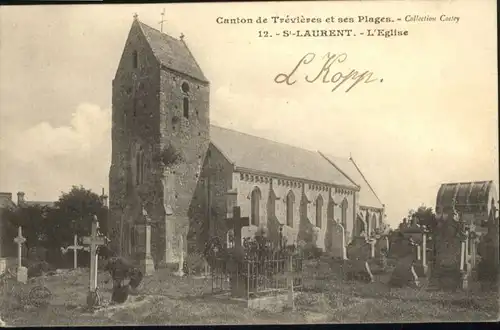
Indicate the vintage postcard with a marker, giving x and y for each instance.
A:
(249, 163)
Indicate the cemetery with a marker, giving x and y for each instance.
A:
(256, 281)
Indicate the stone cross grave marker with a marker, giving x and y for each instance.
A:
(22, 272)
(75, 247)
(147, 263)
(237, 223)
(94, 241)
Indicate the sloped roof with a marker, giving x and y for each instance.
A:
(172, 53)
(256, 153)
(39, 203)
(367, 196)
(469, 196)
(6, 200)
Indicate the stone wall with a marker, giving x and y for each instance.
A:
(149, 117)
(272, 207)
(217, 180)
(135, 118)
(187, 133)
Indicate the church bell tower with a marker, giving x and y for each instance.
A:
(160, 136)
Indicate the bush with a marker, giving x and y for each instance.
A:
(36, 267)
(311, 251)
(194, 264)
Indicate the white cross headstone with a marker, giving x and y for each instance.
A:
(22, 272)
(424, 252)
(75, 247)
(94, 241)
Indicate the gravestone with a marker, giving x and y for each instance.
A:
(236, 223)
(336, 243)
(94, 241)
(488, 267)
(404, 272)
(357, 267)
(381, 247)
(418, 234)
(144, 230)
(448, 271)
(22, 272)
(75, 247)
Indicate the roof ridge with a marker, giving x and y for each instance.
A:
(364, 178)
(157, 31)
(462, 182)
(263, 138)
(193, 57)
(172, 53)
(338, 168)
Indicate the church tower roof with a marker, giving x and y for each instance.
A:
(172, 53)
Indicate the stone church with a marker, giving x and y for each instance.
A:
(174, 171)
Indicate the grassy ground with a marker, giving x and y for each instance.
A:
(166, 299)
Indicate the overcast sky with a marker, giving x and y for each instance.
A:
(433, 119)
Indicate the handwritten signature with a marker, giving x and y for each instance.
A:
(338, 78)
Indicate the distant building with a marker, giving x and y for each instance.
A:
(5, 203)
(21, 201)
(7, 247)
(473, 201)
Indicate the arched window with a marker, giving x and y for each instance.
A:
(255, 204)
(134, 59)
(373, 224)
(132, 240)
(230, 238)
(186, 107)
(185, 87)
(344, 207)
(145, 168)
(319, 211)
(139, 167)
(290, 199)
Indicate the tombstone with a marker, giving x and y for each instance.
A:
(357, 267)
(75, 247)
(449, 238)
(180, 269)
(236, 222)
(94, 241)
(381, 247)
(488, 267)
(147, 263)
(337, 244)
(418, 234)
(404, 273)
(22, 272)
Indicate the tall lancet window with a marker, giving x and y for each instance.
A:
(319, 211)
(344, 207)
(185, 101)
(139, 167)
(135, 59)
(290, 199)
(255, 204)
(373, 225)
(185, 105)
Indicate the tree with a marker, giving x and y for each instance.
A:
(73, 214)
(424, 216)
(32, 219)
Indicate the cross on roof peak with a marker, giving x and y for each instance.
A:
(136, 16)
(162, 20)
